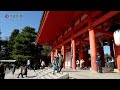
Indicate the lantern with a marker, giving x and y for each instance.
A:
(117, 37)
(115, 28)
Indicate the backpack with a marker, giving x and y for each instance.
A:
(23, 71)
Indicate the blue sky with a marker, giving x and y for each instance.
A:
(10, 20)
(106, 50)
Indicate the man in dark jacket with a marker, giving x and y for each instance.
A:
(14, 67)
(99, 63)
(61, 61)
(2, 71)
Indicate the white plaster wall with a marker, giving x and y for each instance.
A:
(68, 60)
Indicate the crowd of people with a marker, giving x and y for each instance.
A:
(109, 62)
(57, 65)
(23, 67)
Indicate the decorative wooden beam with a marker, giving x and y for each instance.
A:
(105, 17)
(81, 40)
(105, 32)
(95, 23)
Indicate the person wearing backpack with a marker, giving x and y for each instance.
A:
(55, 64)
(23, 71)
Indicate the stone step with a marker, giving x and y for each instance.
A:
(46, 76)
(43, 74)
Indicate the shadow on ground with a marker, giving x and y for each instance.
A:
(72, 78)
(110, 72)
(31, 76)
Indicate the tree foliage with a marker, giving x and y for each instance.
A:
(47, 50)
(4, 51)
(105, 56)
(11, 41)
(24, 46)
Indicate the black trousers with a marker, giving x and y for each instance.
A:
(60, 68)
(20, 74)
(2, 75)
(99, 66)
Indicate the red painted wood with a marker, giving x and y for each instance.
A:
(52, 56)
(93, 50)
(63, 53)
(117, 55)
(95, 23)
(74, 54)
(56, 52)
(105, 17)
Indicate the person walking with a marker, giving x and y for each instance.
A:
(42, 64)
(14, 67)
(2, 71)
(23, 71)
(111, 61)
(34, 66)
(78, 63)
(55, 64)
(99, 62)
(82, 64)
(28, 64)
(61, 61)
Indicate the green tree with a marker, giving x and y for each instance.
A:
(105, 56)
(24, 47)
(4, 52)
(11, 41)
(47, 50)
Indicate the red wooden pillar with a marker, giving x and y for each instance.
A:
(85, 58)
(73, 54)
(63, 53)
(52, 56)
(56, 52)
(80, 52)
(117, 56)
(93, 52)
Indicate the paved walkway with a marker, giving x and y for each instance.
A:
(88, 74)
(73, 74)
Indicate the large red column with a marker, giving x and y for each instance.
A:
(63, 53)
(56, 52)
(85, 58)
(93, 52)
(52, 56)
(117, 56)
(73, 54)
(80, 52)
